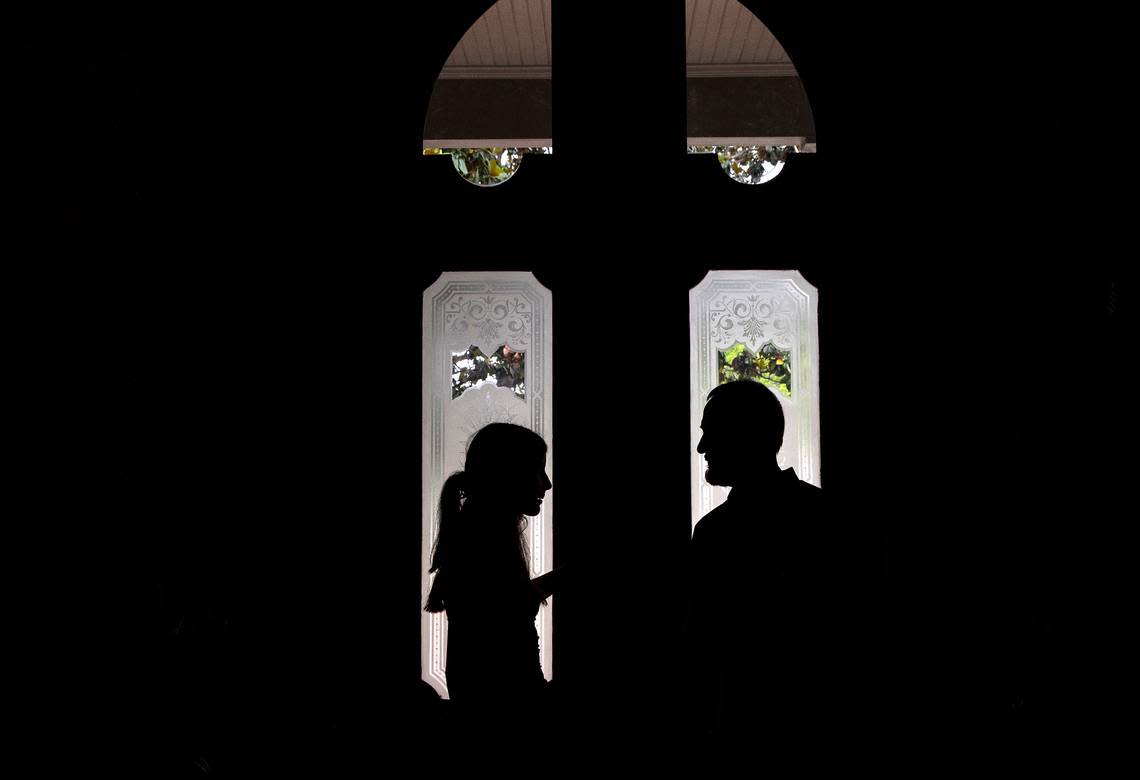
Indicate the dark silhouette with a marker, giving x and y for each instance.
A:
(482, 574)
(769, 612)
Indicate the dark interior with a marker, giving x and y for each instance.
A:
(258, 382)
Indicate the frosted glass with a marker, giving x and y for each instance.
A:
(492, 313)
(756, 313)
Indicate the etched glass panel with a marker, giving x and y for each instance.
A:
(503, 318)
(758, 325)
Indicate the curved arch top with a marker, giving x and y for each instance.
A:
(495, 87)
(743, 92)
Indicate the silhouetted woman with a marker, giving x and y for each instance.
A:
(482, 570)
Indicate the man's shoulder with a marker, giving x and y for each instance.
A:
(713, 523)
(792, 481)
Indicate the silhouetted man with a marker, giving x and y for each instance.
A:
(767, 612)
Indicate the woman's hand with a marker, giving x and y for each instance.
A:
(551, 583)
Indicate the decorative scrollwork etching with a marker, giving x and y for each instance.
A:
(490, 320)
(752, 320)
(475, 410)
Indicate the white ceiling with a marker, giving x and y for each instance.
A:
(512, 40)
(722, 37)
(512, 35)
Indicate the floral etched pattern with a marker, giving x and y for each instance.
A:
(752, 319)
(490, 319)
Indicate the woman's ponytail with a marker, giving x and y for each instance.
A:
(451, 499)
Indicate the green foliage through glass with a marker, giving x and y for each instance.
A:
(488, 167)
(771, 366)
(748, 164)
(505, 367)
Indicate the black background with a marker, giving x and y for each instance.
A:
(261, 227)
